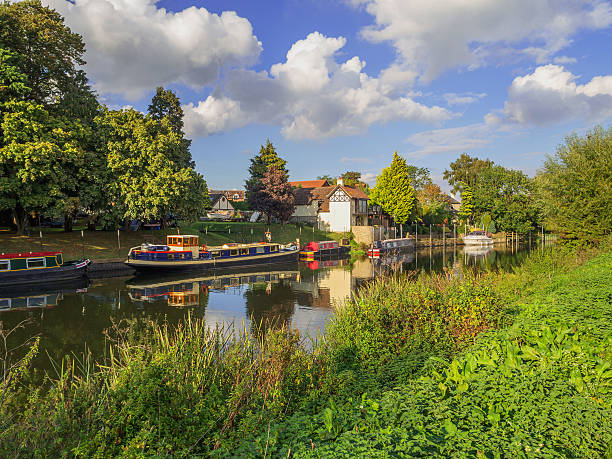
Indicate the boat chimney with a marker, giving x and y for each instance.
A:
(340, 181)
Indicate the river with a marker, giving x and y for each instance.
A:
(72, 318)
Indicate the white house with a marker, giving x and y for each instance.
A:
(220, 203)
(334, 208)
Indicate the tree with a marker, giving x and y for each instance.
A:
(353, 179)
(166, 104)
(331, 180)
(465, 170)
(260, 163)
(276, 197)
(52, 59)
(419, 177)
(574, 187)
(149, 179)
(433, 208)
(506, 195)
(393, 191)
(467, 203)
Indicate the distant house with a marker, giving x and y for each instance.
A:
(335, 208)
(309, 184)
(452, 202)
(230, 195)
(220, 203)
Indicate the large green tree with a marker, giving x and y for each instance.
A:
(507, 196)
(419, 177)
(465, 170)
(150, 180)
(575, 187)
(260, 163)
(393, 191)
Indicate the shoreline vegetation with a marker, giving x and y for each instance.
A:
(479, 365)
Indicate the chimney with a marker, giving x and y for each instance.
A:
(340, 181)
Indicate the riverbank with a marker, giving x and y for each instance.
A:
(231, 392)
(104, 245)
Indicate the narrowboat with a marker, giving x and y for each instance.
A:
(478, 238)
(186, 291)
(322, 249)
(38, 267)
(383, 247)
(183, 252)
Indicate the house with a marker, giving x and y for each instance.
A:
(220, 203)
(452, 202)
(335, 208)
(230, 195)
(310, 184)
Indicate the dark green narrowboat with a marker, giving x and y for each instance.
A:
(38, 267)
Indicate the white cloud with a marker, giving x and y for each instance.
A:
(310, 95)
(462, 99)
(550, 94)
(431, 37)
(565, 60)
(133, 46)
(459, 139)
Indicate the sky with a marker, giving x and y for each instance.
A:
(339, 85)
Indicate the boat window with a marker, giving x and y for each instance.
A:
(36, 301)
(260, 250)
(5, 303)
(234, 252)
(234, 281)
(215, 254)
(170, 256)
(244, 251)
(274, 248)
(5, 265)
(36, 263)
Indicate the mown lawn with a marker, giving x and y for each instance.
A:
(105, 244)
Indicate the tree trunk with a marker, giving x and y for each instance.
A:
(20, 219)
(68, 221)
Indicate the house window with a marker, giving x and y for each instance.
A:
(236, 196)
(5, 265)
(35, 263)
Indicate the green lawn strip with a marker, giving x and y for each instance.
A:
(540, 387)
(103, 245)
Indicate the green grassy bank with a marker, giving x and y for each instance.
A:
(498, 364)
(104, 244)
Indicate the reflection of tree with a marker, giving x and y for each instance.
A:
(270, 307)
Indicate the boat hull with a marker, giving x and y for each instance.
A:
(215, 263)
(65, 272)
(480, 241)
(306, 255)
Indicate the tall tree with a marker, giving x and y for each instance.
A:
(149, 181)
(467, 203)
(276, 197)
(52, 59)
(575, 187)
(260, 163)
(419, 177)
(464, 170)
(393, 191)
(331, 180)
(506, 195)
(353, 179)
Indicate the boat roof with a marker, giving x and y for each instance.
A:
(236, 245)
(28, 254)
(182, 235)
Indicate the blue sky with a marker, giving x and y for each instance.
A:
(341, 85)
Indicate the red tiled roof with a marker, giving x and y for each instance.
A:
(309, 183)
(355, 192)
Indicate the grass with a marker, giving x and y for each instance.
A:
(104, 245)
(489, 365)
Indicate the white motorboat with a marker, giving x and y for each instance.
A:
(478, 238)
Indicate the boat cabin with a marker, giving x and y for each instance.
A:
(30, 260)
(182, 242)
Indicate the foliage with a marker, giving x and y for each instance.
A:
(260, 163)
(507, 195)
(464, 171)
(575, 187)
(467, 203)
(331, 180)
(276, 196)
(419, 177)
(353, 179)
(487, 224)
(393, 191)
(147, 161)
(433, 207)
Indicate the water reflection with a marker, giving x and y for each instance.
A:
(70, 317)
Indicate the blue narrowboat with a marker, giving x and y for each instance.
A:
(183, 252)
(38, 267)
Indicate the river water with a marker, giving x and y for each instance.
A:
(71, 318)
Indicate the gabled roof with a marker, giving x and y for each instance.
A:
(309, 183)
(448, 198)
(357, 193)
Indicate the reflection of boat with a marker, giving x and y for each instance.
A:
(184, 252)
(35, 267)
(186, 291)
(478, 238)
(39, 296)
(320, 249)
(477, 251)
(321, 264)
(380, 248)
(394, 259)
